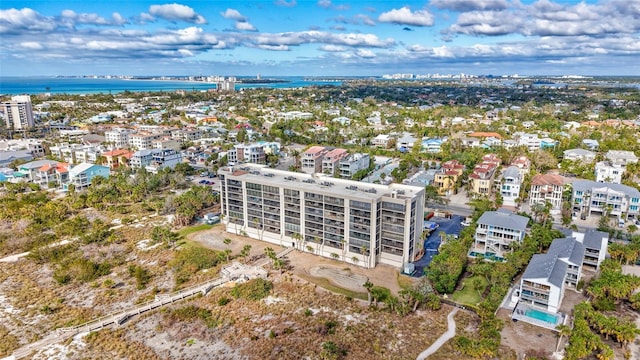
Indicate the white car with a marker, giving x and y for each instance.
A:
(465, 223)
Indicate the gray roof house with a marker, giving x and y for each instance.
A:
(496, 231)
(7, 157)
(579, 155)
(590, 196)
(547, 275)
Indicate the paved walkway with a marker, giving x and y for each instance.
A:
(451, 332)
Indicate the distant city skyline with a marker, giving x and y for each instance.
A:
(319, 38)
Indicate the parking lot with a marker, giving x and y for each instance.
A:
(432, 242)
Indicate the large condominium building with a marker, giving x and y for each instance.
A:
(547, 188)
(495, 233)
(615, 199)
(365, 224)
(18, 113)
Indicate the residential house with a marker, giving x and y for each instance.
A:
(331, 160)
(53, 173)
(81, 175)
(382, 140)
(166, 143)
(496, 231)
(621, 157)
(602, 198)
(580, 155)
(141, 141)
(591, 144)
(405, 142)
(141, 158)
(510, 188)
(546, 277)
(119, 137)
(481, 180)
(530, 141)
(523, 164)
(595, 247)
(470, 142)
(446, 178)
(547, 188)
(312, 159)
(117, 158)
(247, 153)
(608, 171)
(7, 157)
(353, 163)
(432, 146)
(163, 158)
(30, 169)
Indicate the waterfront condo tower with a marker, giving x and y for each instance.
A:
(359, 223)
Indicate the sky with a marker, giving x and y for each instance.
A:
(319, 38)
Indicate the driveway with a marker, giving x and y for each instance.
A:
(432, 243)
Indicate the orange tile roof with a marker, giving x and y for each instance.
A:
(486, 134)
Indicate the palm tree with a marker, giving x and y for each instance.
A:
(343, 245)
(297, 238)
(563, 330)
(368, 285)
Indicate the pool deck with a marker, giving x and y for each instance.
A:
(519, 314)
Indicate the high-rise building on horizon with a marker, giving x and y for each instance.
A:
(18, 113)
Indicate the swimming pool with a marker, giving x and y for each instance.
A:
(542, 316)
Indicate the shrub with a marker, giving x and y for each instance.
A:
(141, 275)
(191, 260)
(192, 312)
(223, 301)
(308, 312)
(254, 289)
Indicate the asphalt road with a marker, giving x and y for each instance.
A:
(432, 242)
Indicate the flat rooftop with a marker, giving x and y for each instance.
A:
(262, 174)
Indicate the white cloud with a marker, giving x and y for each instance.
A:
(233, 14)
(245, 26)
(14, 20)
(364, 53)
(469, 5)
(332, 48)
(31, 45)
(324, 3)
(404, 16)
(176, 12)
(285, 3)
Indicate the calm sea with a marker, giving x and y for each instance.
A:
(38, 85)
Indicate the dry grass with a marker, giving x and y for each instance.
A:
(325, 283)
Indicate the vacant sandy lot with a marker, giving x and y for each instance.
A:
(349, 276)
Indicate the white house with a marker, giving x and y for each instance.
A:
(607, 171)
(510, 188)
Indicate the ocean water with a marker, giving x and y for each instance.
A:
(60, 85)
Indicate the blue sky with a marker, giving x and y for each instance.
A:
(325, 37)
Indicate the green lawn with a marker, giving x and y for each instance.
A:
(468, 295)
(184, 232)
